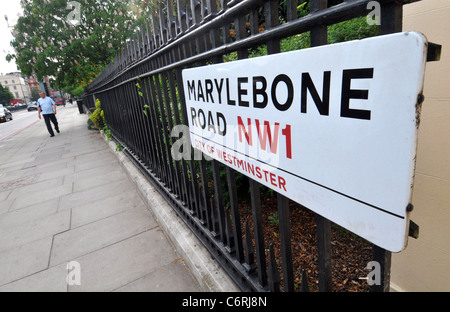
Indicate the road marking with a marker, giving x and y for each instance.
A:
(8, 135)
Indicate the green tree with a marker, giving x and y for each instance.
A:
(73, 40)
(34, 95)
(5, 95)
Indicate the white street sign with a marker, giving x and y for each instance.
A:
(333, 128)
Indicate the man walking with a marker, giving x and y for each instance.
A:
(47, 106)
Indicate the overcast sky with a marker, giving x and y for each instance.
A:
(10, 8)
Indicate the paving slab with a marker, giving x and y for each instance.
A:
(121, 264)
(5, 205)
(53, 279)
(31, 213)
(96, 235)
(66, 201)
(83, 197)
(104, 208)
(24, 260)
(169, 278)
(4, 195)
(33, 197)
(32, 230)
(54, 174)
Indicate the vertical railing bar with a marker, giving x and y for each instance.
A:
(285, 238)
(200, 47)
(191, 43)
(229, 238)
(319, 37)
(240, 32)
(139, 135)
(239, 27)
(135, 47)
(391, 21)
(162, 23)
(185, 183)
(304, 287)
(391, 17)
(206, 208)
(132, 117)
(274, 275)
(161, 122)
(130, 121)
(324, 253)
(170, 21)
(131, 50)
(139, 46)
(195, 191)
(181, 16)
(169, 115)
(249, 258)
(157, 125)
(273, 46)
(139, 118)
(291, 10)
(157, 130)
(259, 233)
(237, 231)
(254, 22)
(383, 258)
(156, 166)
(147, 123)
(137, 111)
(145, 39)
(149, 37)
(219, 200)
(119, 120)
(182, 26)
(272, 20)
(196, 12)
(145, 126)
(156, 31)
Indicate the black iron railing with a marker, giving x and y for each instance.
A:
(142, 96)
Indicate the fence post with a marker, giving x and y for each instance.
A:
(383, 257)
(319, 37)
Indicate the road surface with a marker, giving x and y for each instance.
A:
(21, 120)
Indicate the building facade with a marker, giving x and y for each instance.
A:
(17, 85)
(425, 264)
(33, 82)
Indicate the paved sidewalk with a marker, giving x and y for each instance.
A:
(65, 201)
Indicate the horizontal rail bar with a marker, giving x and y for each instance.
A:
(333, 15)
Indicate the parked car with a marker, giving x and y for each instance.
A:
(32, 106)
(5, 114)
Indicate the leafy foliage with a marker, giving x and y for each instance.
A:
(5, 95)
(73, 44)
(98, 117)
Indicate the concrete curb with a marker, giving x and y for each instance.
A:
(208, 273)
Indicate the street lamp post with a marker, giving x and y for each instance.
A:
(7, 22)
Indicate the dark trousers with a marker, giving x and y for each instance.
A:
(52, 118)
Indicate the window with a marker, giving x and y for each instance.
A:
(13, 81)
(6, 81)
(17, 94)
(15, 88)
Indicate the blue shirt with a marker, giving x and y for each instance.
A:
(46, 105)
